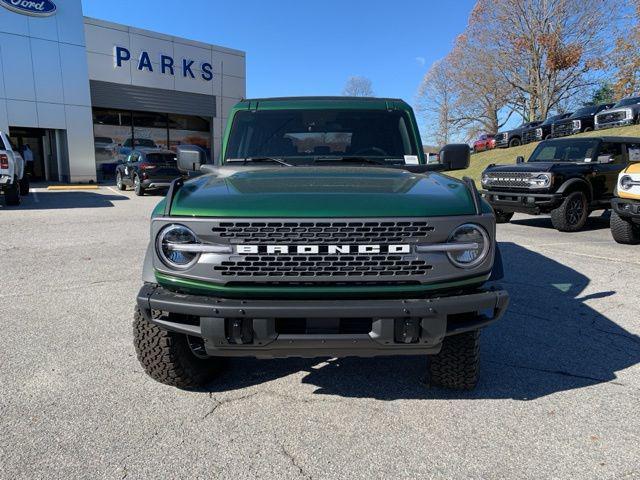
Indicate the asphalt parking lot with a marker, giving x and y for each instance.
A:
(558, 396)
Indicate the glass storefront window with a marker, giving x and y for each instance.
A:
(190, 130)
(150, 130)
(117, 132)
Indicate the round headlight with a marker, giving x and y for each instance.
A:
(626, 182)
(541, 181)
(478, 245)
(168, 244)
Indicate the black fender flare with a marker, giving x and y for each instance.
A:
(581, 183)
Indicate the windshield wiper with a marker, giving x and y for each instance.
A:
(258, 159)
(352, 158)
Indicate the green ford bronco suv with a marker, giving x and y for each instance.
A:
(321, 232)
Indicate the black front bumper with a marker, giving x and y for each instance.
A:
(627, 208)
(524, 202)
(236, 328)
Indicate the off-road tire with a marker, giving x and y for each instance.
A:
(503, 217)
(138, 189)
(24, 185)
(624, 231)
(167, 358)
(587, 129)
(568, 217)
(12, 194)
(119, 183)
(457, 366)
(515, 142)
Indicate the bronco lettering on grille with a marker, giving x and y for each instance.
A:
(321, 249)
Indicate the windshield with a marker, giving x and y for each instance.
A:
(550, 120)
(565, 151)
(307, 134)
(583, 111)
(627, 102)
(103, 140)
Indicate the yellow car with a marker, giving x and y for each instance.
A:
(625, 218)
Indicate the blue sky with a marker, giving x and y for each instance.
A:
(309, 48)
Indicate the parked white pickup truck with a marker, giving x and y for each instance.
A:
(14, 181)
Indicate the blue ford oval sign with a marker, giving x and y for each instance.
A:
(36, 8)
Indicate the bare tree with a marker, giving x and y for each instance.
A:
(547, 51)
(482, 92)
(358, 87)
(626, 56)
(436, 102)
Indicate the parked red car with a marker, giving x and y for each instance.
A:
(485, 142)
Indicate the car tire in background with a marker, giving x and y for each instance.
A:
(515, 142)
(624, 231)
(119, 184)
(24, 185)
(503, 217)
(170, 357)
(137, 186)
(457, 366)
(587, 129)
(572, 214)
(12, 194)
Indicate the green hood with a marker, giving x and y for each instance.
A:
(322, 192)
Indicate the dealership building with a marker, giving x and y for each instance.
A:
(82, 92)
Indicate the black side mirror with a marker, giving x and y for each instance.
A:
(520, 159)
(455, 156)
(190, 158)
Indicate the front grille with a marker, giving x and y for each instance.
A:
(501, 139)
(563, 129)
(529, 136)
(300, 266)
(508, 180)
(611, 117)
(322, 232)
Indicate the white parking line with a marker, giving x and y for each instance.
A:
(116, 191)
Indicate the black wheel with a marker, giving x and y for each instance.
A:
(515, 142)
(137, 186)
(12, 194)
(624, 231)
(119, 183)
(503, 217)
(172, 358)
(587, 129)
(24, 185)
(572, 214)
(457, 366)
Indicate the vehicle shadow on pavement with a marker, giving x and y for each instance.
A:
(65, 200)
(594, 222)
(549, 341)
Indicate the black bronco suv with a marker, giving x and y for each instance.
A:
(513, 138)
(568, 178)
(582, 120)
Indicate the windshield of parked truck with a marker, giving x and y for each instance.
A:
(555, 118)
(582, 112)
(627, 101)
(304, 135)
(565, 151)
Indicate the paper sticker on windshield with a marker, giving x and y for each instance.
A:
(634, 153)
(411, 160)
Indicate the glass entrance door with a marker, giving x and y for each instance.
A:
(34, 139)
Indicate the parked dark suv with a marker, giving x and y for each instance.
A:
(147, 169)
(567, 178)
(513, 138)
(542, 131)
(582, 120)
